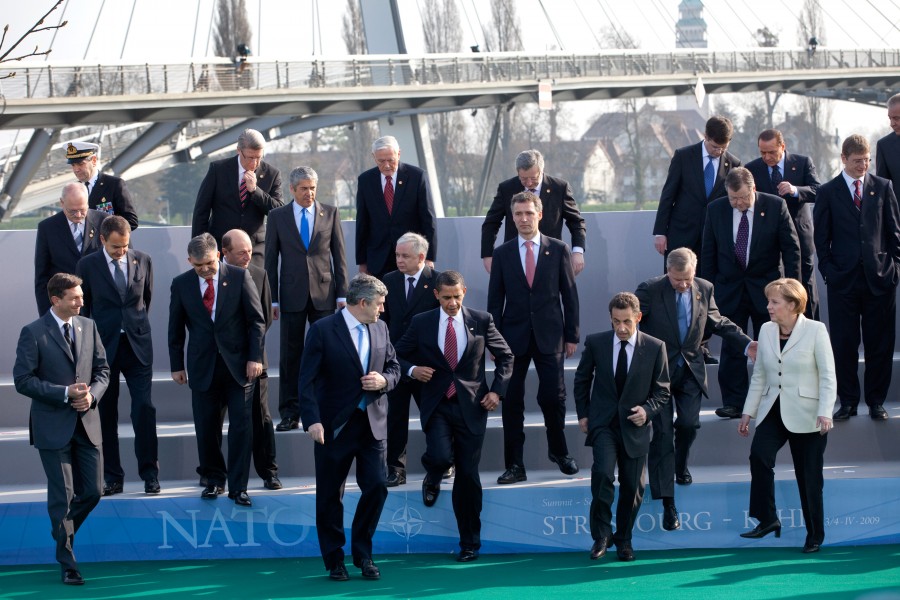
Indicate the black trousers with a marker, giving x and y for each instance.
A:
(398, 423)
(449, 441)
(74, 484)
(609, 452)
(808, 454)
(293, 338)
(848, 309)
(139, 378)
(551, 398)
(670, 446)
(208, 408)
(734, 380)
(263, 430)
(333, 461)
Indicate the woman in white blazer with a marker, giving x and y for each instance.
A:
(791, 396)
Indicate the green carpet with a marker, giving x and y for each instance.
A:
(745, 574)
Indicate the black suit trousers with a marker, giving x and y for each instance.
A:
(808, 454)
(293, 338)
(734, 380)
(671, 443)
(398, 423)
(609, 452)
(449, 441)
(139, 378)
(333, 461)
(263, 430)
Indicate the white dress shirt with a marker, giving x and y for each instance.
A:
(629, 349)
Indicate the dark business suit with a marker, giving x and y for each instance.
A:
(111, 196)
(740, 293)
(559, 205)
(377, 231)
(55, 250)
(683, 200)
(218, 207)
(217, 356)
(454, 427)
(306, 286)
(859, 258)
(887, 158)
(398, 314)
(536, 323)
(330, 394)
(615, 440)
(68, 441)
(669, 450)
(800, 172)
(124, 325)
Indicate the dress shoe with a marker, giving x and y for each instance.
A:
(287, 424)
(598, 550)
(72, 577)
(212, 492)
(240, 498)
(762, 531)
(467, 555)
(878, 413)
(513, 474)
(729, 412)
(339, 573)
(670, 518)
(450, 472)
(566, 464)
(113, 488)
(151, 486)
(685, 478)
(624, 551)
(395, 479)
(844, 413)
(430, 492)
(369, 570)
(272, 483)
(809, 548)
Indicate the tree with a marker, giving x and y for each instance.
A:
(36, 28)
(766, 39)
(817, 111)
(232, 30)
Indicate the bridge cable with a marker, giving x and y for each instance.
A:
(128, 29)
(719, 25)
(196, 24)
(623, 29)
(94, 30)
(742, 21)
(657, 4)
(469, 22)
(318, 25)
(484, 31)
(212, 21)
(552, 27)
(615, 30)
(646, 20)
(886, 18)
(587, 22)
(787, 8)
(827, 14)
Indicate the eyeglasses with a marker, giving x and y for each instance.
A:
(859, 162)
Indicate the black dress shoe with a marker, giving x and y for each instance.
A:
(566, 464)
(272, 483)
(151, 486)
(809, 548)
(513, 474)
(467, 555)
(369, 570)
(430, 492)
(598, 550)
(844, 413)
(685, 478)
(72, 577)
(339, 573)
(240, 498)
(624, 551)
(287, 424)
(761, 531)
(212, 492)
(670, 518)
(878, 413)
(395, 479)
(450, 472)
(113, 488)
(729, 412)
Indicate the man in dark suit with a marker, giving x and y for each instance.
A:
(680, 310)
(63, 239)
(793, 177)
(747, 238)
(556, 197)
(887, 149)
(410, 292)
(444, 350)
(391, 199)
(61, 366)
(238, 193)
(348, 367)
(621, 383)
(220, 307)
(108, 194)
(237, 250)
(310, 282)
(858, 244)
(118, 286)
(534, 302)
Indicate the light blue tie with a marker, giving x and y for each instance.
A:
(682, 316)
(709, 177)
(304, 229)
(363, 349)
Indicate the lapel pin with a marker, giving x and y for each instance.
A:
(322, 213)
(91, 234)
(697, 296)
(547, 253)
(762, 214)
(79, 329)
(793, 168)
(425, 286)
(224, 283)
(871, 193)
(726, 165)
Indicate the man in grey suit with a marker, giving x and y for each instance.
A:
(61, 366)
(621, 383)
(310, 282)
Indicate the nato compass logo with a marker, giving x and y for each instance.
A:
(407, 522)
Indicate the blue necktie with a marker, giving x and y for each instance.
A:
(709, 177)
(304, 228)
(682, 316)
(363, 357)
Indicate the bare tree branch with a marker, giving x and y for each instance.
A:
(33, 29)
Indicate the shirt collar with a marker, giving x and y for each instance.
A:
(59, 322)
(536, 239)
(111, 259)
(631, 341)
(351, 321)
(416, 276)
(298, 208)
(445, 317)
(850, 180)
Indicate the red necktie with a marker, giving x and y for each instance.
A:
(244, 194)
(209, 296)
(389, 194)
(529, 262)
(450, 355)
(857, 195)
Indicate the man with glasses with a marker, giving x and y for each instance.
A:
(63, 239)
(238, 193)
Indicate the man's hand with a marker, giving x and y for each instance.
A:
(660, 242)
(583, 423)
(786, 189)
(578, 262)
(363, 268)
(82, 402)
(751, 350)
(250, 181)
(317, 433)
(275, 313)
(423, 374)
(744, 426)
(373, 382)
(638, 416)
(179, 377)
(487, 260)
(490, 401)
(570, 349)
(254, 370)
(77, 391)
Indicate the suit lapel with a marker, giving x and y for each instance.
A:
(542, 260)
(470, 336)
(636, 357)
(759, 223)
(697, 171)
(80, 342)
(400, 184)
(56, 334)
(318, 226)
(422, 287)
(798, 332)
(343, 334)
